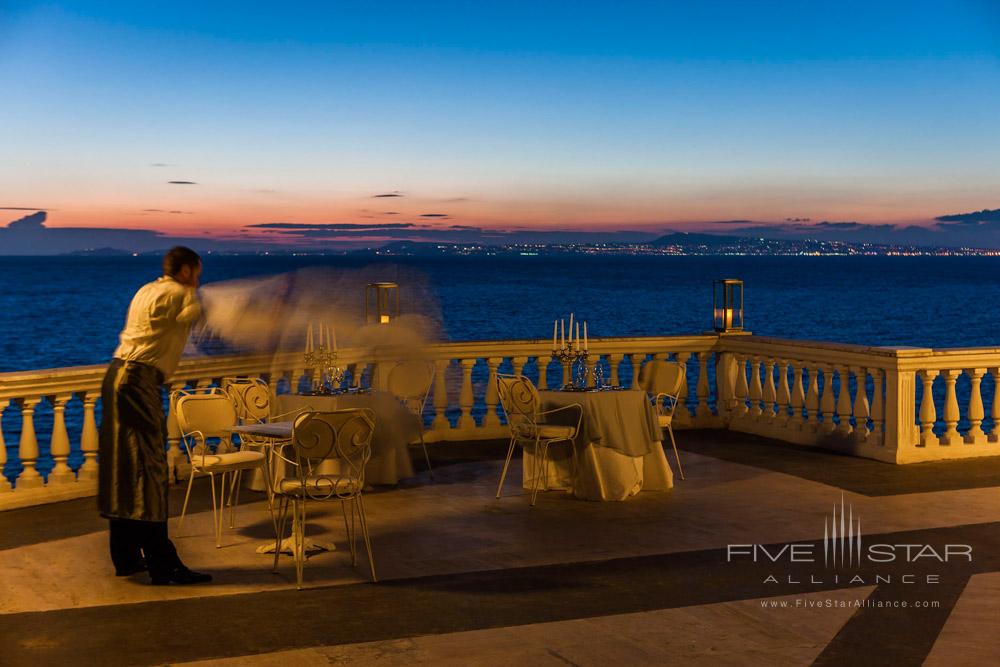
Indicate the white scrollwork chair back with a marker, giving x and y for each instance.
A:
(251, 397)
(342, 435)
(521, 403)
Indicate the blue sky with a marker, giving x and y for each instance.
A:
(542, 115)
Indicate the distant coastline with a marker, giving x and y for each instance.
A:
(678, 244)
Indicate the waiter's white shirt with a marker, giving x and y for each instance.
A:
(158, 322)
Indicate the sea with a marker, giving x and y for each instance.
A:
(67, 311)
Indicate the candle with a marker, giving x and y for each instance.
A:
(333, 331)
(321, 334)
(571, 329)
(554, 327)
(309, 338)
(586, 343)
(562, 330)
(578, 335)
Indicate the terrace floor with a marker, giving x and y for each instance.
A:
(469, 580)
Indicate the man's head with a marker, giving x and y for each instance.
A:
(183, 265)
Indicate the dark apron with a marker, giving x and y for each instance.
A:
(133, 475)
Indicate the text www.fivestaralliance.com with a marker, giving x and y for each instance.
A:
(800, 603)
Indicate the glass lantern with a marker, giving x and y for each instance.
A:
(727, 305)
(381, 303)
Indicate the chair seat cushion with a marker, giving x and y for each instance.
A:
(546, 431)
(230, 461)
(664, 420)
(342, 486)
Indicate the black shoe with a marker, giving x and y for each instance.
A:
(183, 576)
(138, 566)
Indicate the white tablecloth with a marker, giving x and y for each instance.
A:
(618, 452)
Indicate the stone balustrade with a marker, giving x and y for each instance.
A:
(898, 405)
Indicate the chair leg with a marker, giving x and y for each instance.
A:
(233, 502)
(506, 464)
(349, 530)
(280, 529)
(216, 520)
(270, 493)
(676, 455)
(362, 519)
(540, 471)
(426, 456)
(300, 540)
(187, 496)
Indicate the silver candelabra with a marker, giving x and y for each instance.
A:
(326, 374)
(577, 360)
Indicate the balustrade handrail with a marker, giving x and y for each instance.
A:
(50, 381)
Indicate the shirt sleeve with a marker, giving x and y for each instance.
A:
(190, 308)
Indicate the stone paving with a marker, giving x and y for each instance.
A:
(467, 579)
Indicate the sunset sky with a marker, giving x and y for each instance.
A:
(193, 117)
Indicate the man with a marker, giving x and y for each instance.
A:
(134, 477)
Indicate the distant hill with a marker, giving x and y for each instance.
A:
(99, 252)
(688, 238)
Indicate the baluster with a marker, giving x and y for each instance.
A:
(756, 392)
(742, 389)
(88, 437)
(861, 404)
(877, 434)
(440, 422)
(59, 444)
(635, 368)
(703, 412)
(928, 413)
(492, 396)
(784, 395)
(975, 436)
(826, 401)
(812, 400)
(951, 413)
(798, 398)
(770, 395)
(28, 446)
(465, 397)
(4, 483)
(614, 360)
(517, 363)
(543, 371)
(844, 401)
(995, 406)
(592, 361)
(681, 412)
(295, 383)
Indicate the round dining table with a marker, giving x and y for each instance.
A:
(395, 428)
(617, 449)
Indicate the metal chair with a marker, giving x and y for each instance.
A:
(251, 399)
(410, 382)
(343, 436)
(662, 381)
(210, 415)
(526, 420)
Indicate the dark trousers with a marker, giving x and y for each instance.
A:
(131, 540)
